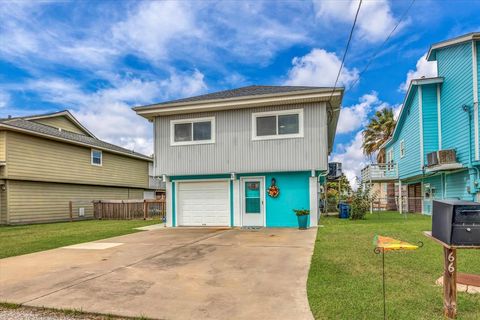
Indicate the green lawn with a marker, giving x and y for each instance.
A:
(17, 240)
(345, 279)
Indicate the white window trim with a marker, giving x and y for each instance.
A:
(402, 149)
(193, 120)
(389, 155)
(277, 113)
(91, 158)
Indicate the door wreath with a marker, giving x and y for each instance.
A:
(273, 191)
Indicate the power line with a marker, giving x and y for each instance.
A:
(346, 49)
(382, 45)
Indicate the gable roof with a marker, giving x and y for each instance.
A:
(411, 89)
(64, 113)
(432, 52)
(249, 97)
(26, 125)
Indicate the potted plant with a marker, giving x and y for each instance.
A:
(302, 216)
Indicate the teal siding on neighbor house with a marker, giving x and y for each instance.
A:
(455, 65)
(436, 184)
(430, 120)
(409, 165)
(456, 185)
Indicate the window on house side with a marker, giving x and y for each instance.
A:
(192, 131)
(277, 124)
(96, 159)
(402, 148)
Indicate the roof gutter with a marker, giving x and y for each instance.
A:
(43, 135)
(151, 111)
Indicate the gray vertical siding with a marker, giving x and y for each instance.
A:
(234, 150)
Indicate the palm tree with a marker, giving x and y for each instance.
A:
(377, 132)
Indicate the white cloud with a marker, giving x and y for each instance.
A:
(107, 111)
(153, 25)
(423, 68)
(320, 68)
(4, 99)
(352, 158)
(375, 20)
(356, 116)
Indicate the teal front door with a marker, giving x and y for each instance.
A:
(253, 194)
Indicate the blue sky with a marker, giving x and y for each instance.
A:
(99, 58)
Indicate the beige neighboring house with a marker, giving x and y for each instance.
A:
(48, 160)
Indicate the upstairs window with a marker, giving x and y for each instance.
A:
(402, 148)
(192, 131)
(277, 124)
(96, 157)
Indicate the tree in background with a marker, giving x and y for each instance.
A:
(377, 132)
(332, 192)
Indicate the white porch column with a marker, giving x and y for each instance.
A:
(400, 202)
(236, 203)
(169, 199)
(313, 187)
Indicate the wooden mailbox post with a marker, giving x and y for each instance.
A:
(449, 276)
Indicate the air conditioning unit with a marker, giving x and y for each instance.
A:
(447, 156)
(334, 170)
(441, 157)
(432, 159)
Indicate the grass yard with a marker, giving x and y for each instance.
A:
(345, 279)
(17, 240)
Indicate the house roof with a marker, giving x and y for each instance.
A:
(432, 52)
(253, 90)
(64, 113)
(26, 125)
(413, 83)
(249, 97)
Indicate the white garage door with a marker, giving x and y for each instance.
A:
(203, 203)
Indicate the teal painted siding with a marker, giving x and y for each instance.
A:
(456, 185)
(435, 184)
(231, 203)
(455, 65)
(174, 200)
(409, 165)
(294, 194)
(430, 120)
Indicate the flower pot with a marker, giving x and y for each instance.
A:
(303, 221)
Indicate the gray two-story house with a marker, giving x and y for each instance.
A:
(244, 157)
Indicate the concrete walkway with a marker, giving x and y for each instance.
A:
(171, 274)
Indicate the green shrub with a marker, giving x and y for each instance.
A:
(301, 212)
(360, 202)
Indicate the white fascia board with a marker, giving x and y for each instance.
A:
(451, 42)
(225, 104)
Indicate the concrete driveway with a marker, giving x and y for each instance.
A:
(171, 274)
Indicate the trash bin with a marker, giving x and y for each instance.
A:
(343, 210)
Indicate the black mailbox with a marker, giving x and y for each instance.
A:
(456, 222)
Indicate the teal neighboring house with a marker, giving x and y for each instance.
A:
(244, 157)
(434, 151)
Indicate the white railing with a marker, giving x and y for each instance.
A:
(380, 172)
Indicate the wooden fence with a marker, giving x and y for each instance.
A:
(129, 209)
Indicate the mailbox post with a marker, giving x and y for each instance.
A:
(449, 276)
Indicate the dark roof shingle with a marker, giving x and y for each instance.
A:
(244, 92)
(36, 127)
